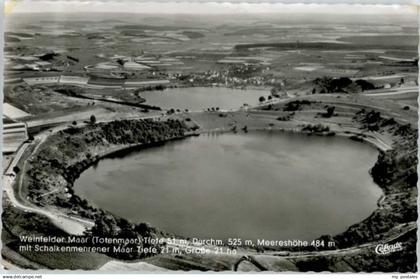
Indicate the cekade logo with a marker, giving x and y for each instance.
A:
(385, 249)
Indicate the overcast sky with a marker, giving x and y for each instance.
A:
(156, 7)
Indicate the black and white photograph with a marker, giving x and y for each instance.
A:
(228, 137)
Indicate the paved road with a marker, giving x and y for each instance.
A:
(391, 92)
(70, 224)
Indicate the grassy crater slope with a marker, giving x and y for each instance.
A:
(64, 155)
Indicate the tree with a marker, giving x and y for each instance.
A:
(330, 112)
(120, 61)
(270, 97)
(261, 99)
(16, 169)
(273, 91)
(365, 85)
(92, 119)
(74, 122)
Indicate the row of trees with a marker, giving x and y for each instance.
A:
(342, 84)
(262, 99)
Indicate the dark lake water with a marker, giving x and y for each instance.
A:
(256, 185)
(199, 98)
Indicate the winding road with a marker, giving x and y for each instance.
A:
(69, 224)
(12, 183)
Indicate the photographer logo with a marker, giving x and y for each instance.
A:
(385, 249)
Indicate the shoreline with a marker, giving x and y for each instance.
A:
(296, 128)
(121, 151)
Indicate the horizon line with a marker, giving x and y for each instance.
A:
(171, 7)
